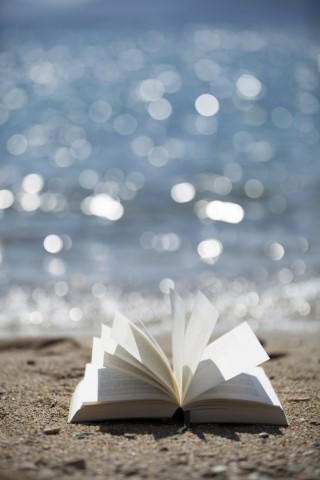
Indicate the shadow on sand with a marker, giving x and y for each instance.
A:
(175, 426)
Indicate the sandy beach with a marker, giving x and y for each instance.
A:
(39, 375)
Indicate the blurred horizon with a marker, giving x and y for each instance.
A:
(292, 15)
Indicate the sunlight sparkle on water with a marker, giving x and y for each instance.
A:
(158, 156)
(160, 109)
(53, 243)
(275, 251)
(6, 199)
(209, 250)
(75, 314)
(17, 144)
(30, 202)
(102, 205)
(225, 211)
(32, 183)
(166, 284)
(253, 188)
(207, 105)
(166, 242)
(151, 89)
(56, 267)
(249, 86)
(183, 192)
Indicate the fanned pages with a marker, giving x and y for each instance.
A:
(177, 339)
(129, 375)
(199, 330)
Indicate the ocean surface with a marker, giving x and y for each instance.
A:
(141, 160)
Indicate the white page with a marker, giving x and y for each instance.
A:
(252, 385)
(123, 334)
(177, 339)
(140, 347)
(113, 348)
(226, 357)
(100, 358)
(155, 343)
(114, 385)
(199, 330)
(104, 394)
(111, 385)
(97, 353)
(163, 356)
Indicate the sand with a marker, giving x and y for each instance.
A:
(38, 376)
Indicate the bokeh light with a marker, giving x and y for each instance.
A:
(53, 243)
(249, 86)
(209, 250)
(183, 192)
(207, 105)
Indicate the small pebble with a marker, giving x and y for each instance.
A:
(248, 466)
(163, 449)
(27, 466)
(219, 469)
(180, 461)
(51, 430)
(77, 463)
(315, 421)
(298, 399)
(308, 452)
(81, 435)
(263, 435)
(214, 471)
(131, 471)
(255, 476)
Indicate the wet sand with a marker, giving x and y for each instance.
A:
(38, 376)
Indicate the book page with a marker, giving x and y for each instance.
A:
(252, 386)
(76, 400)
(111, 347)
(140, 347)
(100, 358)
(155, 344)
(115, 350)
(226, 357)
(97, 353)
(111, 385)
(177, 338)
(199, 330)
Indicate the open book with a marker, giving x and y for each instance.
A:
(130, 376)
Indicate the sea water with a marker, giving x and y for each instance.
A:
(137, 161)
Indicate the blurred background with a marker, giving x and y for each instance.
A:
(152, 145)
